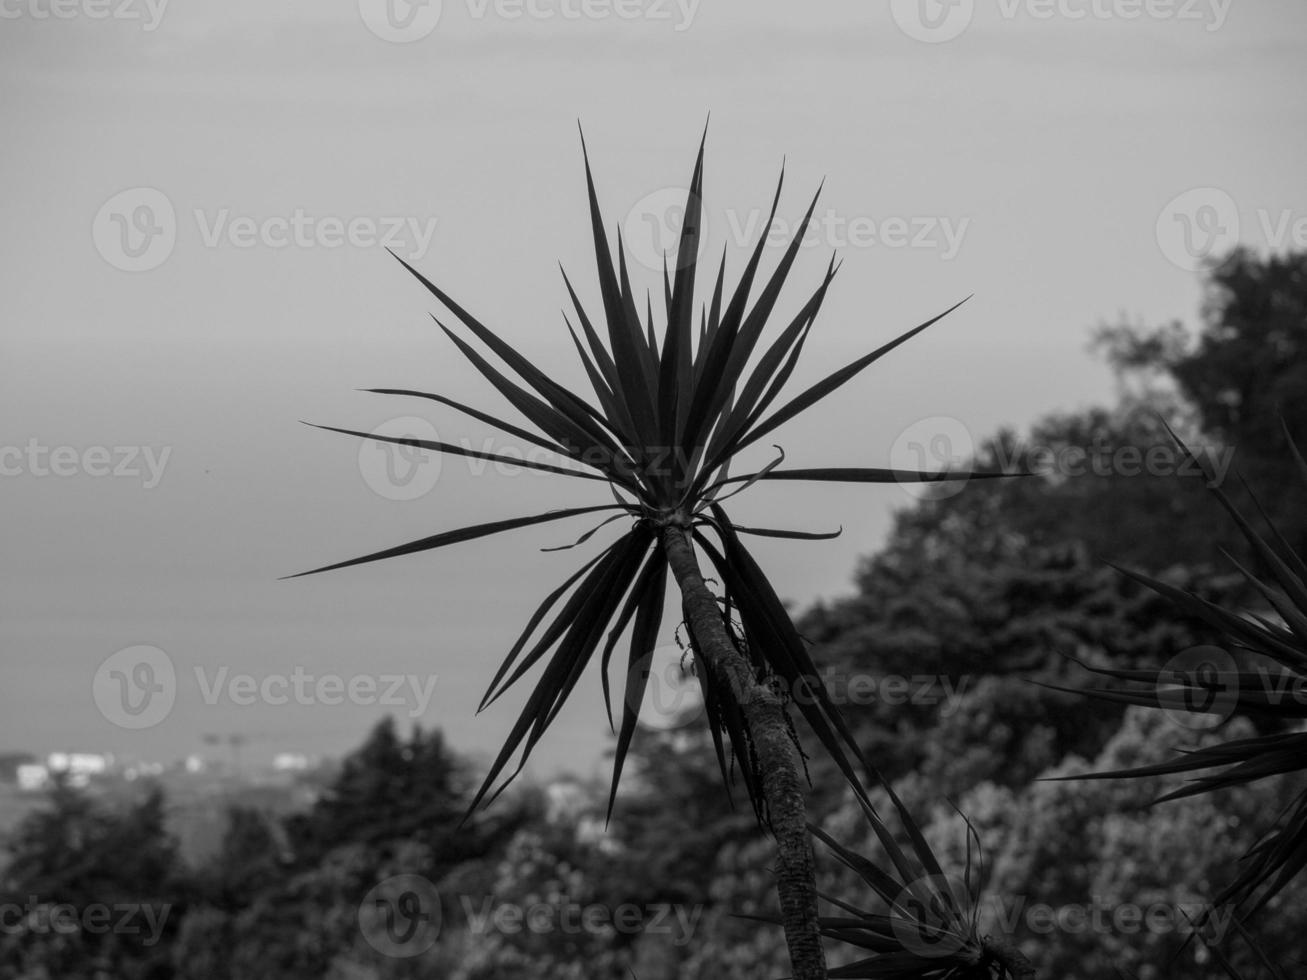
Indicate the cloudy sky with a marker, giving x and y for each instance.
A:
(196, 199)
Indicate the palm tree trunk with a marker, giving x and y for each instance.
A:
(778, 758)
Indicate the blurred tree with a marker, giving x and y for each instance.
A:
(294, 928)
(969, 624)
(91, 891)
(676, 772)
(391, 789)
(1244, 370)
(252, 857)
(1095, 852)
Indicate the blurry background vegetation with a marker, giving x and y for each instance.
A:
(995, 588)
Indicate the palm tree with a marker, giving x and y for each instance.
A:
(668, 419)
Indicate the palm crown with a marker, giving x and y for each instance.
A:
(666, 423)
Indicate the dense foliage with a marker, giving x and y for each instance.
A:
(985, 603)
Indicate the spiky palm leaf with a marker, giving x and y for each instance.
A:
(929, 929)
(665, 425)
(1273, 971)
(1273, 689)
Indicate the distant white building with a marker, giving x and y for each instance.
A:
(33, 777)
(290, 762)
(78, 767)
(143, 769)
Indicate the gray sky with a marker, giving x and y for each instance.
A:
(1035, 159)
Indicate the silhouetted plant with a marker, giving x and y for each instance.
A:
(930, 926)
(669, 419)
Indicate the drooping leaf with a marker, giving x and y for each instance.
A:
(650, 590)
(573, 652)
